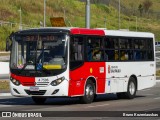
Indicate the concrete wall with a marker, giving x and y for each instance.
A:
(4, 70)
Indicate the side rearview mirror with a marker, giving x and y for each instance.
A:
(7, 45)
(9, 42)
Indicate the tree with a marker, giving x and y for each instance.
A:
(133, 8)
(147, 5)
(140, 8)
(96, 1)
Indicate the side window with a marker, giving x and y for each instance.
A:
(94, 49)
(111, 43)
(140, 49)
(143, 49)
(150, 53)
(111, 51)
(126, 49)
(123, 43)
(76, 51)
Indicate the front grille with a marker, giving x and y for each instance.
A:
(41, 92)
(28, 83)
(42, 84)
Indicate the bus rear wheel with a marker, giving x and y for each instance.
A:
(131, 90)
(39, 100)
(89, 93)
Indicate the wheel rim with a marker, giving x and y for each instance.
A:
(89, 91)
(132, 88)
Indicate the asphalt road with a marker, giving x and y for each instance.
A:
(146, 100)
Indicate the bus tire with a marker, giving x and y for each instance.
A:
(89, 93)
(39, 100)
(131, 89)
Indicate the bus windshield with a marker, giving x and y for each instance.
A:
(39, 52)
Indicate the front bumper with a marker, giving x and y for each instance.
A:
(48, 91)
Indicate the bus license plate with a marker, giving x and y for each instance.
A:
(34, 89)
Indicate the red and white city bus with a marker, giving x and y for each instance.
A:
(80, 62)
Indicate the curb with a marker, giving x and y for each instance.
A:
(5, 94)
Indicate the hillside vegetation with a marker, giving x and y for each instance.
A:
(32, 14)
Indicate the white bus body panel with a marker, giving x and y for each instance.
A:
(143, 70)
(118, 74)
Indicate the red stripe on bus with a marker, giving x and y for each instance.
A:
(25, 81)
(84, 31)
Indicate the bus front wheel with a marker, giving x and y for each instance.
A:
(39, 100)
(89, 93)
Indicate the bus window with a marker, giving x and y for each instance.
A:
(111, 43)
(111, 55)
(149, 44)
(94, 49)
(111, 49)
(150, 55)
(143, 49)
(123, 43)
(143, 44)
(76, 48)
(140, 44)
(123, 55)
(76, 52)
(131, 43)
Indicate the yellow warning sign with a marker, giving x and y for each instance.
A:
(57, 22)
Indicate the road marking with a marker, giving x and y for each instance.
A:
(145, 89)
(157, 98)
(148, 94)
(96, 106)
(5, 106)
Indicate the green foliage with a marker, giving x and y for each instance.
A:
(4, 85)
(32, 14)
(158, 73)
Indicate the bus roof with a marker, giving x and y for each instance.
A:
(86, 31)
(45, 29)
(128, 33)
(77, 31)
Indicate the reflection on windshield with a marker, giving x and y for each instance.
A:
(52, 55)
(39, 54)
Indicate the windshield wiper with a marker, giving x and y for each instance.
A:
(25, 65)
(42, 69)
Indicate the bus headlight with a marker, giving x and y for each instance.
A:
(57, 82)
(15, 82)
